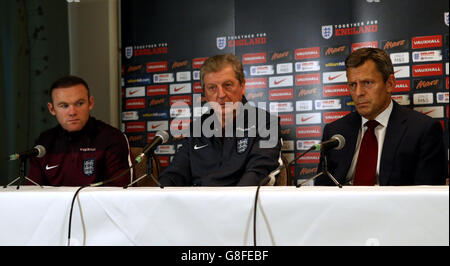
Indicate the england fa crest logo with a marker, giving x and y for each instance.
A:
(129, 52)
(89, 167)
(242, 145)
(327, 31)
(221, 42)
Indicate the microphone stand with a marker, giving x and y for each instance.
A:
(324, 171)
(21, 175)
(149, 172)
(266, 181)
(101, 183)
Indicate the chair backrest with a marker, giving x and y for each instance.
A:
(142, 168)
(284, 177)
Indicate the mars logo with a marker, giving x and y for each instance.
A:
(129, 52)
(278, 56)
(307, 171)
(427, 83)
(327, 31)
(395, 45)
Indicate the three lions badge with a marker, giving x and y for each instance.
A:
(242, 145)
(89, 167)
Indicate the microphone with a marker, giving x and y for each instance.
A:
(161, 137)
(38, 151)
(336, 141)
(270, 179)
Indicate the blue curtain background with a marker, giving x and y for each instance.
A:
(34, 51)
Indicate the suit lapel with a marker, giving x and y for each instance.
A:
(351, 137)
(394, 133)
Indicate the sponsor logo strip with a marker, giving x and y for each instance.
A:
(427, 70)
(402, 99)
(309, 158)
(281, 94)
(372, 44)
(135, 127)
(135, 104)
(335, 90)
(427, 41)
(432, 111)
(423, 98)
(309, 132)
(306, 79)
(157, 90)
(256, 83)
(286, 119)
(306, 53)
(255, 58)
(308, 118)
(329, 117)
(157, 66)
(402, 85)
(334, 77)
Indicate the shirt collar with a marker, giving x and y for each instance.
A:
(88, 129)
(382, 118)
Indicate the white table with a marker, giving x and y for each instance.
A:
(220, 216)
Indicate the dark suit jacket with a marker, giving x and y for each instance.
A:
(413, 150)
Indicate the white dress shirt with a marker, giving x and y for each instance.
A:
(380, 133)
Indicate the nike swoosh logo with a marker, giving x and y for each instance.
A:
(276, 82)
(178, 89)
(335, 77)
(306, 119)
(199, 147)
(395, 72)
(133, 92)
(426, 113)
(153, 126)
(50, 167)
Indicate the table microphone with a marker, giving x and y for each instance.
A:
(38, 151)
(161, 137)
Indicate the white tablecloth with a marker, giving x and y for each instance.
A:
(224, 216)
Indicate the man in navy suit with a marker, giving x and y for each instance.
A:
(406, 146)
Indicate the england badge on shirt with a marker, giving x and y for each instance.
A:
(89, 167)
(242, 145)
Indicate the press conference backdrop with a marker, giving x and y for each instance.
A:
(293, 54)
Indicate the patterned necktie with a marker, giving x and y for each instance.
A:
(366, 166)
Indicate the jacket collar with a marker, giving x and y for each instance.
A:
(87, 130)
